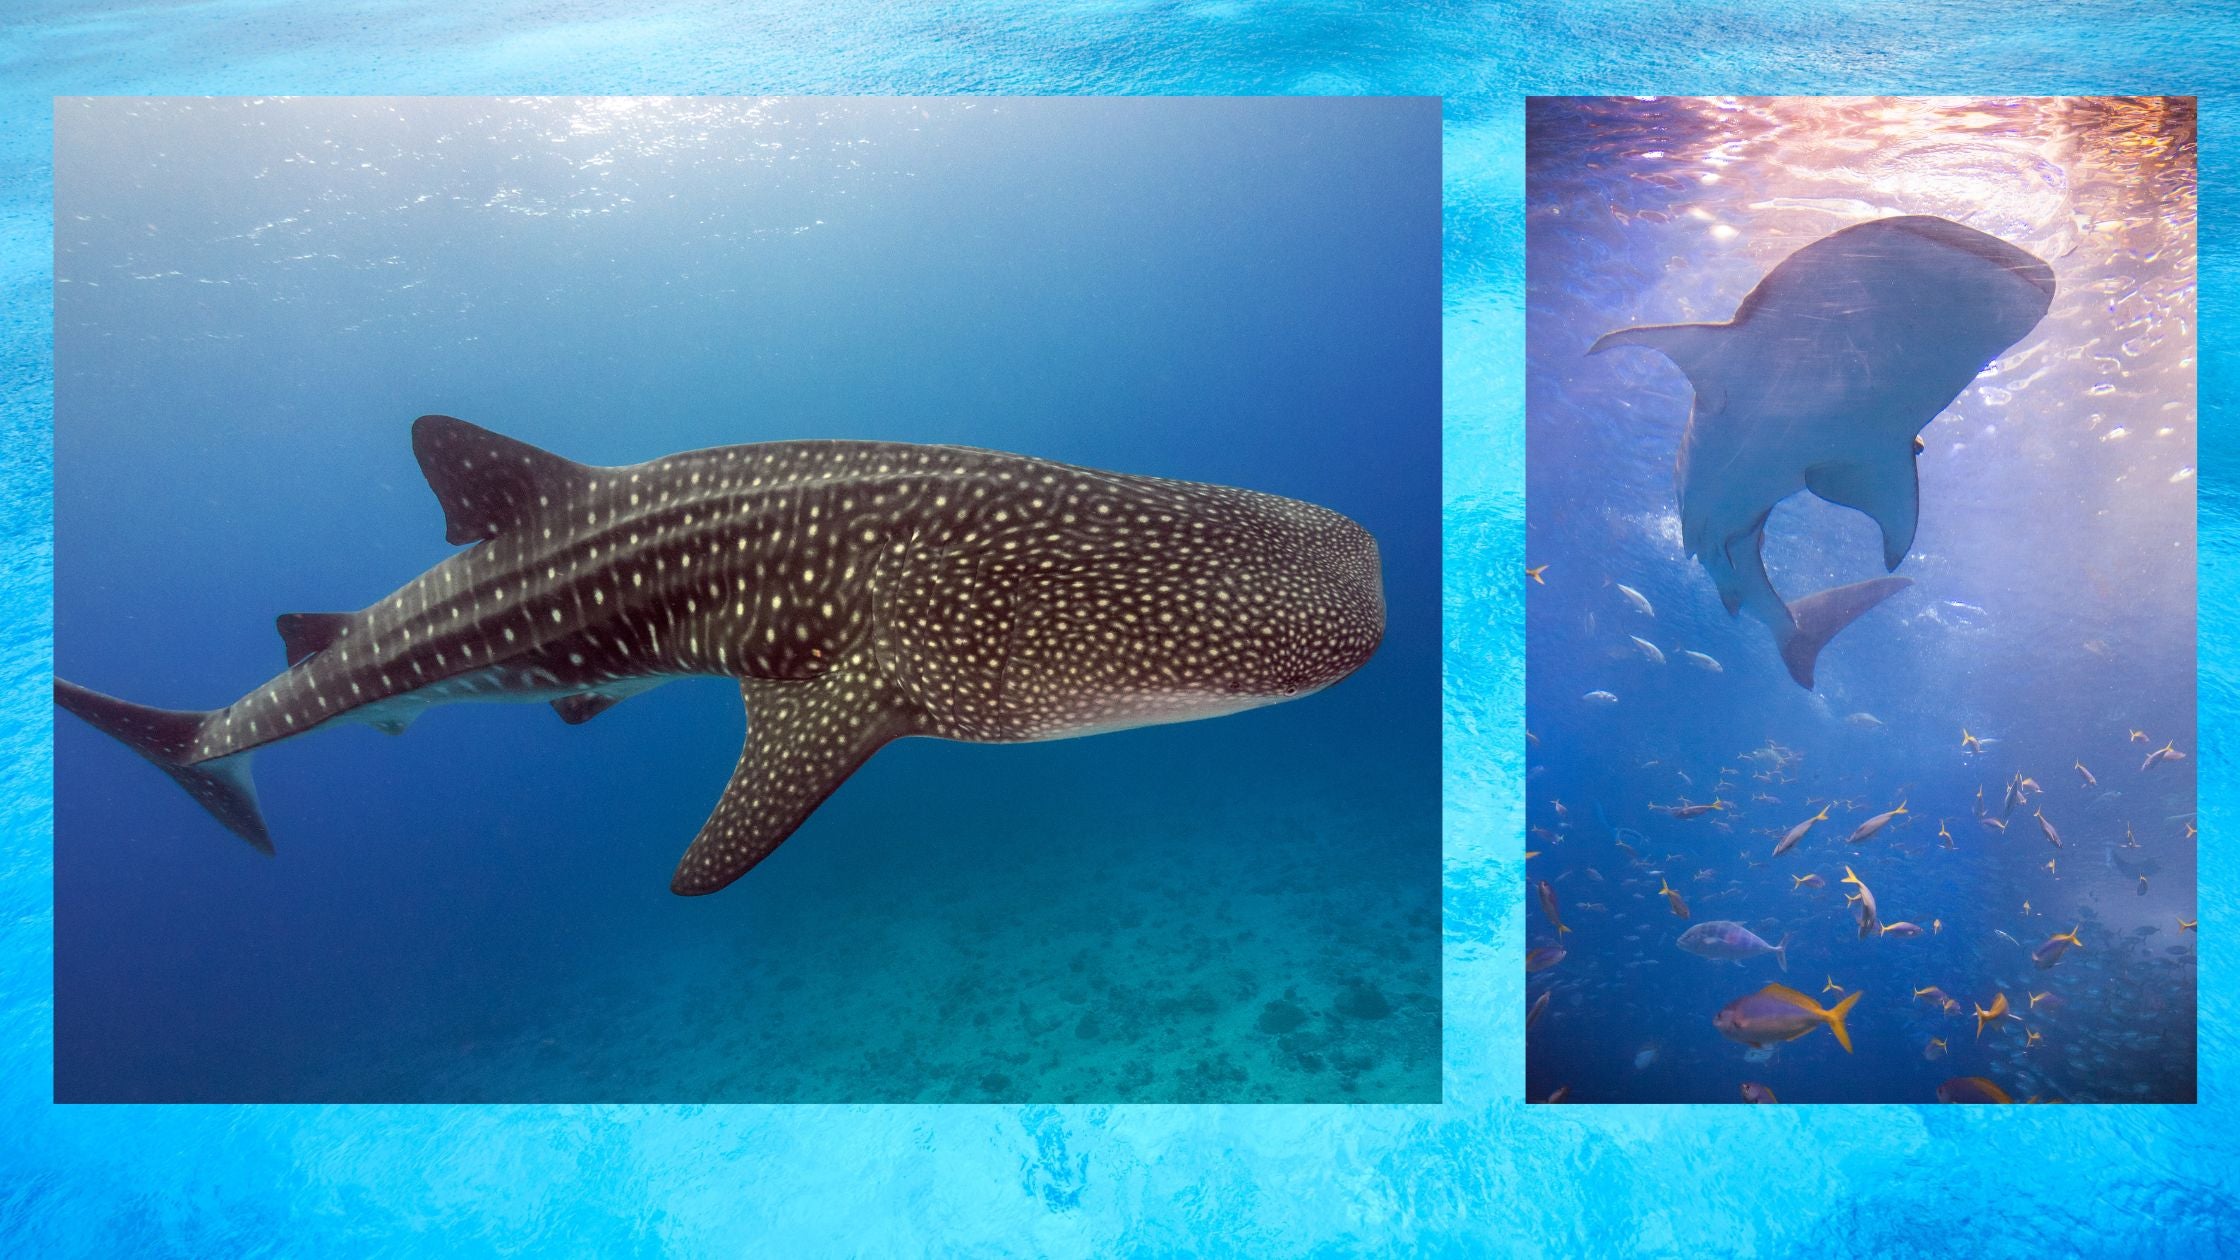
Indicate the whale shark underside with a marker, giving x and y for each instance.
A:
(1823, 381)
(859, 592)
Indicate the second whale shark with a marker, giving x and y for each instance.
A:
(1823, 381)
(859, 592)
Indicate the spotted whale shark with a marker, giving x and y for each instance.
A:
(859, 592)
(1823, 381)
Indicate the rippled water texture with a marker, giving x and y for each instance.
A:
(1480, 1174)
(2051, 615)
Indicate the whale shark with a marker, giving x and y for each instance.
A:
(859, 592)
(1823, 381)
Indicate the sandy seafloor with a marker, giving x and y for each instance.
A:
(1477, 1174)
(1183, 969)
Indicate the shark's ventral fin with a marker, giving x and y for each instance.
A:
(804, 738)
(487, 483)
(577, 709)
(305, 635)
(166, 737)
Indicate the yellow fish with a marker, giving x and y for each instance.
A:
(1780, 1013)
(1534, 574)
(1998, 1011)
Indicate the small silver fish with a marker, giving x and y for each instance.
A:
(1727, 941)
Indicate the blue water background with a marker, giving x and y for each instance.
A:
(1479, 1174)
(2052, 615)
(254, 298)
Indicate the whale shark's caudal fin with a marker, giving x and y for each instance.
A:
(804, 738)
(1821, 615)
(164, 736)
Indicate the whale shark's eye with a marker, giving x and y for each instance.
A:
(1291, 691)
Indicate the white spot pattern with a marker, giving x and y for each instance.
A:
(884, 589)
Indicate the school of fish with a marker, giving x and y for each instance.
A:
(2014, 1020)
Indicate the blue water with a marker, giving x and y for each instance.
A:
(1479, 1174)
(2051, 617)
(255, 298)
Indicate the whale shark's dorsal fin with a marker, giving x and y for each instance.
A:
(487, 483)
(304, 635)
(1887, 489)
(804, 738)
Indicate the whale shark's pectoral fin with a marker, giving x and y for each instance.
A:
(803, 739)
(1691, 347)
(487, 483)
(1887, 489)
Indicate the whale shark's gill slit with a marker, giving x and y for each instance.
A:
(804, 738)
(488, 483)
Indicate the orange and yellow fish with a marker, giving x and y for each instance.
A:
(1998, 1011)
(1780, 1013)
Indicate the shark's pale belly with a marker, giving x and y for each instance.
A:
(1822, 381)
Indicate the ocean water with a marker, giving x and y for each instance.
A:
(1478, 1174)
(254, 299)
(2051, 622)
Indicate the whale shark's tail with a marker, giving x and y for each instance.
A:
(164, 737)
(1821, 615)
